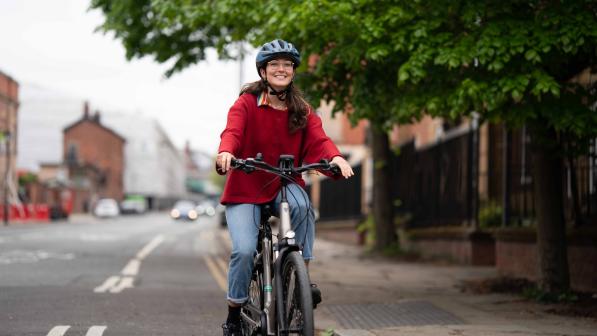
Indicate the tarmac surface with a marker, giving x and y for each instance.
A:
(369, 296)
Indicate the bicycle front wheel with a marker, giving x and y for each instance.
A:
(296, 292)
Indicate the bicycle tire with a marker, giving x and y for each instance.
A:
(298, 312)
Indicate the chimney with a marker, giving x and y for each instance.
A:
(96, 116)
(86, 110)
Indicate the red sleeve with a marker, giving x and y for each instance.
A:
(233, 134)
(316, 144)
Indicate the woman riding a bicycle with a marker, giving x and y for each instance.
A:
(269, 117)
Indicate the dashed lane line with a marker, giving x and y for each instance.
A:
(125, 282)
(62, 329)
(58, 330)
(132, 268)
(150, 246)
(109, 283)
(96, 331)
(126, 279)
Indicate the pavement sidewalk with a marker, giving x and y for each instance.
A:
(366, 296)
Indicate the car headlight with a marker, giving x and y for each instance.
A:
(193, 214)
(175, 213)
(210, 211)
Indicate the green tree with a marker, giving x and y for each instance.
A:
(516, 62)
(390, 62)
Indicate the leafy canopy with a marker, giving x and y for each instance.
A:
(392, 61)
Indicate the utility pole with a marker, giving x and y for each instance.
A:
(6, 176)
(241, 58)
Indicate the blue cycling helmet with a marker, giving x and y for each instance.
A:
(276, 49)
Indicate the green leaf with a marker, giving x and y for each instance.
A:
(531, 55)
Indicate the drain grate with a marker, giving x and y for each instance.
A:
(373, 316)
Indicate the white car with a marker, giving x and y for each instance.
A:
(106, 207)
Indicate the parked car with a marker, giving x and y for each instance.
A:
(133, 206)
(106, 207)
(184, 209)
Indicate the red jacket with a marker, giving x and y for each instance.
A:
(253, 129)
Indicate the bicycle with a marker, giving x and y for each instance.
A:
(280, 301)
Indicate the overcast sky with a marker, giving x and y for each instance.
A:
(52, 44)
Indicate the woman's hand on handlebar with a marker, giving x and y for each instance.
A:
(223, 161)
(345, 168)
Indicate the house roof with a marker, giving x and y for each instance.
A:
(98, 124)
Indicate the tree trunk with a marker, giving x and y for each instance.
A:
(551, 228)
(385, 233)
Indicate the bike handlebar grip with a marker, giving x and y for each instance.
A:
(335, 169)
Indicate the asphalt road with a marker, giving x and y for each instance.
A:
(134, 275)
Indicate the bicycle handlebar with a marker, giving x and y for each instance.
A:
(286, 167)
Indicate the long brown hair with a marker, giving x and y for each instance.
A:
(298, 108)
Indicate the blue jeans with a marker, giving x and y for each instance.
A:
(243, 225)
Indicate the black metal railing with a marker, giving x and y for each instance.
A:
(341, 199)
(439, 186)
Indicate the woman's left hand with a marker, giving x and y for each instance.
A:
(345, 168)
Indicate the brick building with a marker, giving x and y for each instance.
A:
(94, 155)
(9, 105)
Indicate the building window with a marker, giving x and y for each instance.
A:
(72, 154)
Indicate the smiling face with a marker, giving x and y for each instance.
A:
(278, 73)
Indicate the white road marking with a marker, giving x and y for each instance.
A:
(125, 282)
(149, 247)
(216, 273)
(96, 331)
(116, 284)
(58, 331)
(132, 268)
(26, 257)
(109, 283)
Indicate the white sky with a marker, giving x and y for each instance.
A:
(52, 44)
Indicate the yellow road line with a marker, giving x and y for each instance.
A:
(218, 275)
(223, 265)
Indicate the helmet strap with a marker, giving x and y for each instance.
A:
(280, 94)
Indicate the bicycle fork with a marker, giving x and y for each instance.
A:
(268, 306)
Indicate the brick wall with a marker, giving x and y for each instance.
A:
(516, 256)
(9, 104)
(101, 147)
(459, 244)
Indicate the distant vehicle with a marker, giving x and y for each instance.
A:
(184, 209)
(133, 206)
(206, 208)
(106, 207)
